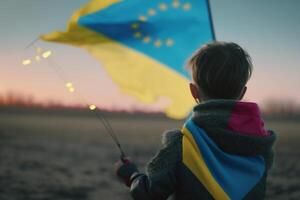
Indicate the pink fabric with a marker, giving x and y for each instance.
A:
(245, 118)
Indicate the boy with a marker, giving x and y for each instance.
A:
(223, 150)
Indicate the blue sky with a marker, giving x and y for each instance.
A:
(269, 30)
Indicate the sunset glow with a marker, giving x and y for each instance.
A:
(271, 40)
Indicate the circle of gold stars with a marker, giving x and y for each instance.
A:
(162, 7)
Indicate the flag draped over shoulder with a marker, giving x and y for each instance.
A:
(225, 176)
(143, 44)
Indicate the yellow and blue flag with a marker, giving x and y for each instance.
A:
(225, 176)
(143, 44)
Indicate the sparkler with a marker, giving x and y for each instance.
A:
(40, 53)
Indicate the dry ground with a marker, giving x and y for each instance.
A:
(61, 157)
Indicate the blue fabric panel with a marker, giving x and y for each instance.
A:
(188, 26)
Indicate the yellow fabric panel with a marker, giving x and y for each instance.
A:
(134, 72)
(143, 77)
(91, 7)
(193, 159)
(75, 34)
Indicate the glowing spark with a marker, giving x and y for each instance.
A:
(146, 39)
(143, 18)
(151, 12)
(137, 35)
(71, 89)
(163, 6)
(37, 58)
(46, 54)
(26, 62)
(169, 42)
(69, 84)
(157, 43)
(186, 6)
(92, 107)
(135, 26)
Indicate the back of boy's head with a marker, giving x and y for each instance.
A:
(221, 70)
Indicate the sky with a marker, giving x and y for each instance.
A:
(269, 30)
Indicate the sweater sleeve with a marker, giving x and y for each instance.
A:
(160, 180)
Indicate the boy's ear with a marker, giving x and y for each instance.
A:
(243, 93)
(195, 92)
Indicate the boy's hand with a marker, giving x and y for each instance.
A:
(124, 169)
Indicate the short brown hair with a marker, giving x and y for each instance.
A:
(221, 70)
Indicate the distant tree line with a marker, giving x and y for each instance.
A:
(281, 108)
(284, 108)
(20, 100)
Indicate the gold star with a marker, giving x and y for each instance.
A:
(157, 43)
(187, 6)
(169, 42)
(143, 18)
(151, 12)
(176, 4)
(163, 6)
(146, 39)
(135, 26)
(137, 35)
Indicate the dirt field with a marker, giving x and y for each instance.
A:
(62, 157)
